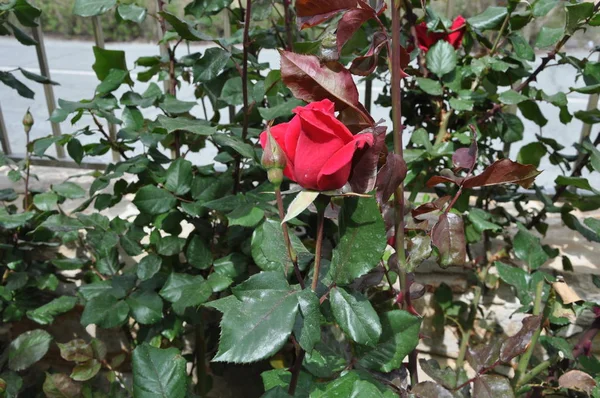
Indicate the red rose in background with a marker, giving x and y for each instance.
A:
(427, 39)
(318, 147)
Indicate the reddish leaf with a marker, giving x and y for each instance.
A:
(437, 204)
(448, 235)
(313, 12)
(465, 158)
(390, 177)
(517, 344)
(310, 81)
(364, 164)
(484, 355)
(356, 121)
(380, 5)
(366, 64)
(350, 23)
(503, 171)
(431, 389)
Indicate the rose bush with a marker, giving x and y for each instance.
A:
(319, 148)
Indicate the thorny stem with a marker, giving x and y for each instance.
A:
(247, 18)
(107, 136)
(288, 24)
(524, 360)
(286, 237)
(493, 50)
(532, 373)
(319, 248)
(296, 370)
(27, 172)
(443, 129)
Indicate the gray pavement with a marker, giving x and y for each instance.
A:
(71, 66)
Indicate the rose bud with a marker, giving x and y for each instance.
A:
(273, 159)
(318, 147)
(28, 121)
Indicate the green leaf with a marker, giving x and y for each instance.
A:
(198, 127)
(234, 143)
(27, 349)
(179, 177)
(25, 12)
(283, 109)
(480, 218)
(75, 150)
(532, 153)
(589, 117)
(461, 104)
(431, 87)
(61, 223)
(528, 248)
(258, 320)
(148, 266)
(491, 18)
(400, 335)
(12, 384)
(37, 78)
(543, 7)
(112, 81)
(105, 311)
(577, 182)
(219, 282)
(12, 221)
(146, 307)
(309, 334)
(355, 316)
(45, 314)
(107, 60)
(185, 30)
(172, 105)
(77, 350)
(158, 373)
(577, 13)
(90, 8)
(184, 290)
(232, 91)
(593, 224)
(420, 250)
(521, 46)
(441, 58)
(132, 12)
(69, 190)
(153, 200)
(531, 110)
(512, 128)
(362, 240)
(86, 371)
(548, 36)
(517, 278)
(170, 245)
(22, 37)
(45, 201)
(210, 65)
(198, 253)
(511, 97)
(270, 252)
(247, 215)
(11, 81)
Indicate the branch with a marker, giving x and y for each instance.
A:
(113, 144)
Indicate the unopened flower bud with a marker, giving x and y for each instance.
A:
(274, 160)
(28, 121)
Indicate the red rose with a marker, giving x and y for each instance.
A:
(427, 39)
(318, 147)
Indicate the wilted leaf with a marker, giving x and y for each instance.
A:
(60, 385)
(299, 204)
(577, 380)
(364, 163)
(448, 235)
(492, 386)
(566, 293)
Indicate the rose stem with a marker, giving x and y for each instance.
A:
(286, 237)
(27, 170)
(320, 226)
(288, 24)
(246, 110)
(524, 360)
(399, 194)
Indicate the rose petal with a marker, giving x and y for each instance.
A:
(336, 171)
(319, 124)
(455, 38)
(325, 105)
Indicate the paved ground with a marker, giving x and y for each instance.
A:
(71, 61)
